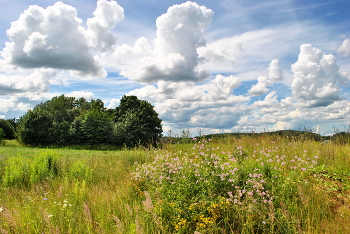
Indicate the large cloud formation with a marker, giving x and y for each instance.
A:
(107, 15)
(316, 77)
(184, 103)
(38, 81)
(175, 57)
(175, 68)
(54, 38)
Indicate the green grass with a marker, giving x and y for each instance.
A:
(227, 185)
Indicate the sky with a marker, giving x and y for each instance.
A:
(206, 66)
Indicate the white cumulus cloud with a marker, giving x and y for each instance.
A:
(261, 87)
(275, 72)
(184, 103)
(316, 77)
(55, 38)
(344, 49)
(223, 86)
(38, 81)
(107, 15)
(175, 57)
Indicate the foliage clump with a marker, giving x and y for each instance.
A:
(66, 121)
(8, 127)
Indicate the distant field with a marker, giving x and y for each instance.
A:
(264, 184)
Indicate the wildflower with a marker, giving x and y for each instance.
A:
(263, 222)
(1, 209)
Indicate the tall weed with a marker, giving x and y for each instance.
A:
(27, 171)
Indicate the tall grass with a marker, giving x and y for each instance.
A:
(228, 185)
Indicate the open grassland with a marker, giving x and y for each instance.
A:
(248, 185)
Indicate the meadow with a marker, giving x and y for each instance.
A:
(262, 184)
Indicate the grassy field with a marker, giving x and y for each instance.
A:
(249, 185)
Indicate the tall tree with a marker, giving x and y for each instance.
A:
(8, 129)
(36, 127)
(137, 122)
(96, 128)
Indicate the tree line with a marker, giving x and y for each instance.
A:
(64, 121)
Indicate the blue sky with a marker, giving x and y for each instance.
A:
(214, 66)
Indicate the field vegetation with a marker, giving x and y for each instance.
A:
(229, 184)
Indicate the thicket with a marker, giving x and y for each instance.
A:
(65, 121)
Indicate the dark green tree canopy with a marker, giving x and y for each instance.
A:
(8, 129)
(69, 121)
(138, 122)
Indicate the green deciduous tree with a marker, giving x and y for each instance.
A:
(137, 122)
(8, 129)
(36, 127)
(96, 128)
(67, 121)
